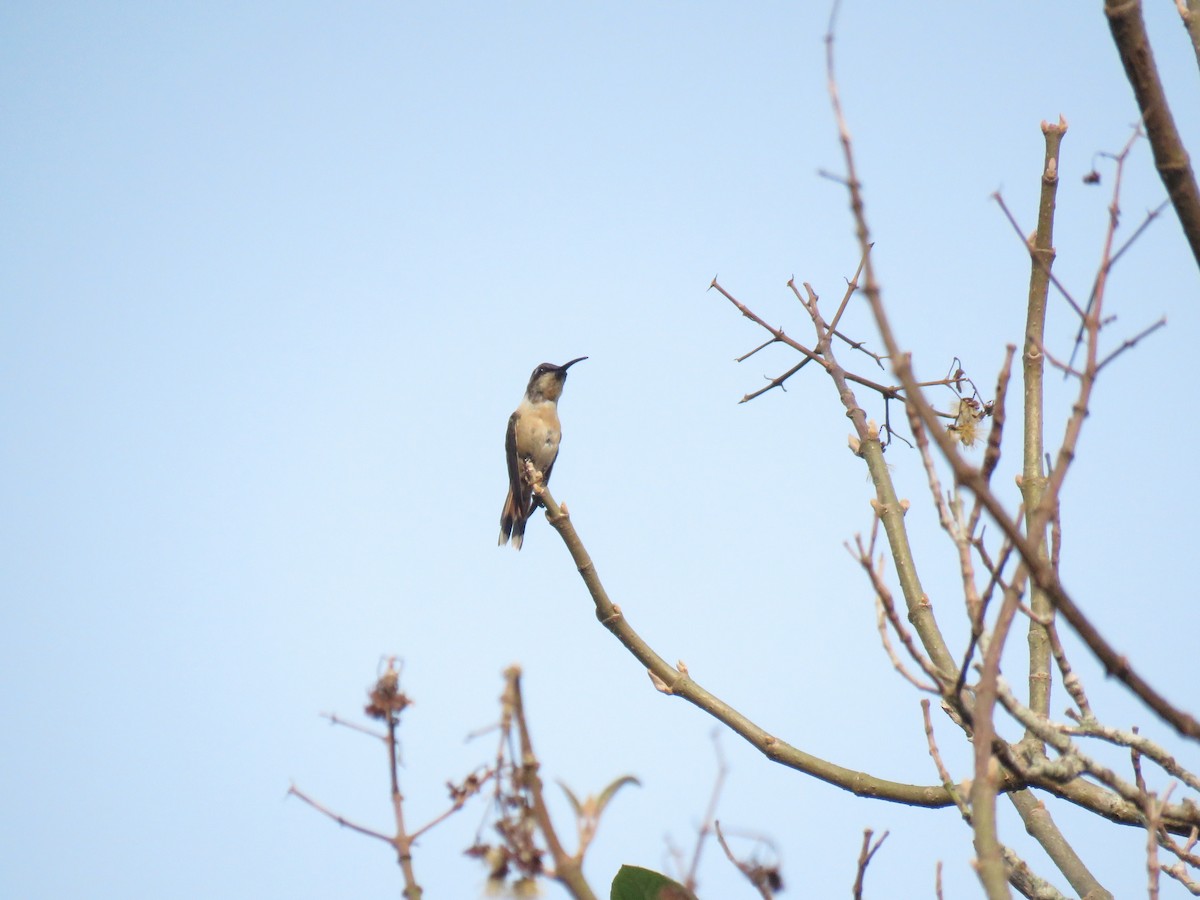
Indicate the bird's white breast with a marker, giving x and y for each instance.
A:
(539, 440)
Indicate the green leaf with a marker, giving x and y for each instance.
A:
(636, 883)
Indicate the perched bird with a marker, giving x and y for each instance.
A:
(533, 436)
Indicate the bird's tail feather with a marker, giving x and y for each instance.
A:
(512, 523)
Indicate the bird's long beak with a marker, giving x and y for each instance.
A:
(566, 366)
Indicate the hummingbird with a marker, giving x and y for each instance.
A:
(533, 436)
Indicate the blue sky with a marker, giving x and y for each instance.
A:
(274, 276)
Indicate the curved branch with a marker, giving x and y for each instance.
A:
(677, 682)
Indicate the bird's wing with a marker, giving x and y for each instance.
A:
(516, 478)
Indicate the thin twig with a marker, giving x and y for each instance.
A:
(338, 817)
(888, 608)
(1144, 747)
(1131, 342)
(335, 719)
(1028, 246)
(710, 815)
(1071, 682)
(1137, 232)
(765, 880)
(764, 344)
(851, 287)
(864, 859)
(942, 771)
(776, 382)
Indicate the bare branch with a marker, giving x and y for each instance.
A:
(781, 336)
(568, 868)
(710, 816)
(1033, 480)
(864, 859)
(679, 682)
(1171, 159)
(1131, 342)
(887, 610)
(1071, 682)
(943, 772)
(459, 795)
(1154, 807)
(294, 791)
(1041, 826)
(765, 879)
(1039, 262)
(763, 345)
(776, 382)
(335, 719)
(1143, 746)
(1137, 232)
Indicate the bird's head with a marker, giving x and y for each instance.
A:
(546, 382)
